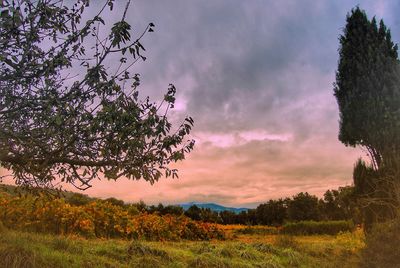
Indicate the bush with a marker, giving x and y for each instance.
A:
(382, 246)
(99, 218)
(153, 227)
(78, 199)
(258, 230)
(313, 227)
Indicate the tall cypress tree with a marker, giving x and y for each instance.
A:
(367, 88)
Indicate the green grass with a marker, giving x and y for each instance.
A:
(318, 227)
(22, 249)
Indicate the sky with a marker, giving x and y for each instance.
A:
(257, 77)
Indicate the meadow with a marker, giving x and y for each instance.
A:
(29, 249)
(43, 231)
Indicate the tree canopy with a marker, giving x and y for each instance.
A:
(303, 206)
(66, 115)
(367, 88)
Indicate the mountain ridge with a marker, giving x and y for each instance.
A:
(213, 206)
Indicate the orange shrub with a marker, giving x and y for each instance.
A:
(109, 220)
(99, 219)
(168, 227)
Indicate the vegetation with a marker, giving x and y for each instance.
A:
(254, 229)
(44, 231)
(98, 218)
(367, 90)
(322, 227)
(64, 114)
(112, 218)
(20, 249)
(54, 126)
(336, 205)
(274, 212)
(382, 246)
(303, 207)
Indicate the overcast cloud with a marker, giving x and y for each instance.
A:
(257, 77)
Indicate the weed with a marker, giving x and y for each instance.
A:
(264, 248)
(139, 249)
(208, 260)
(271, 262)
(147, 262)
(65, 244)
(229, 251)
(286, 241)
(203, 247)
(248, 255)
(382, 248)
(13, 256)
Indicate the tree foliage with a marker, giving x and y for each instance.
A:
(337, 204)
(67, 115)
(303, 207)
(367, 88)
(340, 204)
(377, 191)
(274, 212)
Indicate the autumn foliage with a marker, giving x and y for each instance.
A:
(98, 218)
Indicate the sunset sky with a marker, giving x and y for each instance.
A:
(257, 78)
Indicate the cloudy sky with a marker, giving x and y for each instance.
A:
(257, 77)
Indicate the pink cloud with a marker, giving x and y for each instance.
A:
(237, 138)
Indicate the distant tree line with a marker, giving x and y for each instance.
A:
(339, 204)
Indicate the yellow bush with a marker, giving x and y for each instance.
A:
(99, 219)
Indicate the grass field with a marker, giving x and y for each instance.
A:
(257, 249)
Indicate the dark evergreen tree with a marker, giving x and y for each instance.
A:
(367, 88)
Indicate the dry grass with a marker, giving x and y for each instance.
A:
(20, 249)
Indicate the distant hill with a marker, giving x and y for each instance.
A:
(212, 206)
(78, 198)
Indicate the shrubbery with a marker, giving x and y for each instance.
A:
(382, 246)
(158, 228)
(98, 219)
(313, 227)
(258, 230)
